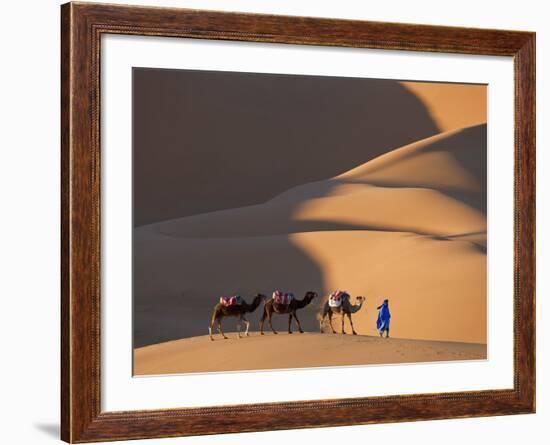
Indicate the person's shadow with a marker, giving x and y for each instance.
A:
(49, 429)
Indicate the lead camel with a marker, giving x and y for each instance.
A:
(345, 309)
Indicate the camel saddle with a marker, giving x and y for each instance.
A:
(282, 298)
(231, 301)
(336, 298)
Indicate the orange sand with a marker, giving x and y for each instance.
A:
(199, 354)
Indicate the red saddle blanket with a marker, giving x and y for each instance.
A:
(231, 301)
(282, 298)
(336, 298)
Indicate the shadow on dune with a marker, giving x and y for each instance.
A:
(177, 282)
(206, 141)
(469, 149)
(480, 246)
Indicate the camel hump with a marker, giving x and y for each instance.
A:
(231, 301)
(337, 297)
(282, 298)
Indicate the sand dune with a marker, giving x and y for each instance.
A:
(436, 182)
(199, 354)
(409, 225)
(374, 186)
(450, 105)
(177, 282)
(305, 128)
(436, 287)
(455, 160)
(350, 207)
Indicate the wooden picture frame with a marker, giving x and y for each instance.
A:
(82, 25)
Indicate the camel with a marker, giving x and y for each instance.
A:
(270, 307)
(236, 310)
(346, 308)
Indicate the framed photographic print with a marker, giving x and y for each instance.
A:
(276, 222)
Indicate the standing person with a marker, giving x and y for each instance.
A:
(383, 322)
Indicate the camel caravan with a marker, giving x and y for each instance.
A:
(338, 302)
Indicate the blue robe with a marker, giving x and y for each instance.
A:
(383, 322)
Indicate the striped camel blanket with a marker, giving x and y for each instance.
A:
(336, 298)
(231, 301)
(282, 298)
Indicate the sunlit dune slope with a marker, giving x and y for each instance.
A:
(452, 105)
(199, 354)
(455, 160)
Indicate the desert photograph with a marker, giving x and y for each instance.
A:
(294, 221)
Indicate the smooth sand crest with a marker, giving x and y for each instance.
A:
(199, 354)
(452, 105)
(454, 160)
(436, 182)
(345, 207)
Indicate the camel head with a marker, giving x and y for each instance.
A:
(256, 302)
(260, 297)
(310, 295)
(359, 300)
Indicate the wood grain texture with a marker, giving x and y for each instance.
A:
(65, 228)
(81, 28)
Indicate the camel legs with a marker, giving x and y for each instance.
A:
(242, 319)
(264, 316)
(293, 314)
(326, 310)
(220, 329)
(267, 314)
(290, 315)
(247, 323)
(343, 318)
(330, 322)
(262, 323)
(351, 323)
(212, 320)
